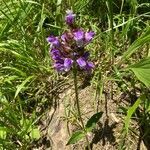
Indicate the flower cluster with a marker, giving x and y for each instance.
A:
(69, 48)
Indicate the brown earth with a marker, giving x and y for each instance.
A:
(61, 122)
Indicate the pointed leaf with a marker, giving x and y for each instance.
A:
(22, 85)
(75, 137)
(131, 111)
(91, 123)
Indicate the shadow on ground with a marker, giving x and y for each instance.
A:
(104, 134)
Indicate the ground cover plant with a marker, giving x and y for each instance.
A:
(107, 95)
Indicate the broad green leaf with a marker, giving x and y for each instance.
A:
(142, 71)
(91, 123)
(131, 111)
(35, 134)
(75, 137)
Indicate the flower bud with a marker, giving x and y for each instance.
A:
(70, 17)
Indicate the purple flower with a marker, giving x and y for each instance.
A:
(63, 65)
(81, 62)
(79, 37)
(53, 40)
(59, 67)
(84, 64)
(64, 37)
(89, 36)
(55, 53)
(89, 66)
(70, 17)
(68, 62)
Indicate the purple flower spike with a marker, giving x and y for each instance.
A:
(79, 36)
(81, 62)
(89, 36)
(53, 40)
(69, 48)
(68, 64)
(70, 17)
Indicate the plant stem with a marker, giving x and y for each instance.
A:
(78, 105)
(110, 13)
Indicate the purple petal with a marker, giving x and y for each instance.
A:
(64, 37)
(53, 40)
(68, 64)
(79, 36)
(55, 53)
(70, 17)
(89, 36)
(59, 60)
(50, 39)
(59, 67)
(89, 65)
(56, 42)
(81, 62)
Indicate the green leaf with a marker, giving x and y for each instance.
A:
(142, 71)
(21, 73)
(3, 133)
(145, 38)
(131, 111)
(22, 85)
(91, 123)
(75, 137)
(35, 134)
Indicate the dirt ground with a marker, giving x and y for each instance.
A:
(108, 135)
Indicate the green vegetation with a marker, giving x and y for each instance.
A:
(30, 87)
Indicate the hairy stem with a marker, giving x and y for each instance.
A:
(78, 105)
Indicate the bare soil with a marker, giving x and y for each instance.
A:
(59, 123)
